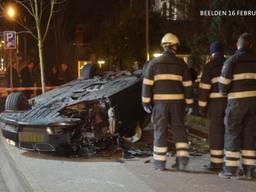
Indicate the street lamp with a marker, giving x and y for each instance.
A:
(101, 62)
(157, 54)
(10, 12)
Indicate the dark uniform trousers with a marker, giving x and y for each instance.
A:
(215, 123)
(163, 115)
(240, 132)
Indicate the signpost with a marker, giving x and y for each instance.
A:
(10, 39)
(10, 44)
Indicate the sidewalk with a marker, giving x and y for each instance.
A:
(12, 178)
(3, 187)
(59, 174)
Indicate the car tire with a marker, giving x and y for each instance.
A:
(16, 101)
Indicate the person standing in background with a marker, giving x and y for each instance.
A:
(27, 77)
(64, 74)
(212, 103)
(15, 77)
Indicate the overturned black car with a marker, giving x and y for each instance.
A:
(82, 115)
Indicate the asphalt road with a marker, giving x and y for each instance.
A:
(51, 173)
(3, 187)
(11, 179)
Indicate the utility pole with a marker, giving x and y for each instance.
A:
(147, 29)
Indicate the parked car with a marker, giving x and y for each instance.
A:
(82, 115)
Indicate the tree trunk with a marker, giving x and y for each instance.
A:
(41, 57)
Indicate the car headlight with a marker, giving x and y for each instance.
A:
(10, 142)
(50, 130)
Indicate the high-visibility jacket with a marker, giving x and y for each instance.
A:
(167, 79)
(238, 76)
(208, 86)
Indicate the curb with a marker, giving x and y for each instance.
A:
(13, 177)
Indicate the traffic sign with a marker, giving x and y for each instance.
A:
(10, 39)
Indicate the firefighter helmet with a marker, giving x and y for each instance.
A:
(170, 39)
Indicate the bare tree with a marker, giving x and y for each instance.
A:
(41, 11)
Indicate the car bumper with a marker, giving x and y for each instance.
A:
(34, 140)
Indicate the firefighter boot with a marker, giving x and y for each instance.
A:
(215, 167)
(181, 163)
(229, 173)
(254, 172)
(249, 172)
(175, 165)
(160, 165)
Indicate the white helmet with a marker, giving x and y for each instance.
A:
(170, 39)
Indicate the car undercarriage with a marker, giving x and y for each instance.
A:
(83, 116)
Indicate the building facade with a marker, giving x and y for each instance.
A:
(173, 9)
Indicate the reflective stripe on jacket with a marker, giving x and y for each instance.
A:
(167, 79)
(238, 76)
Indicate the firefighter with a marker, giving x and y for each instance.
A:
(214, 104)
(167, 88)
(238, 82)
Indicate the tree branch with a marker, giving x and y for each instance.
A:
(32, 7)
(53, 2)
(27, 29)
(40, 11)
(1, 7)
(23, 4)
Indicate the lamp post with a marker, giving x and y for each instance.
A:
(147, 30)
(10, 13)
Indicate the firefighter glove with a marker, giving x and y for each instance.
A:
(189, 110)
(147, 108)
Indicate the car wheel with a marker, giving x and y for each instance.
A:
(137, 134)
(16, 101)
